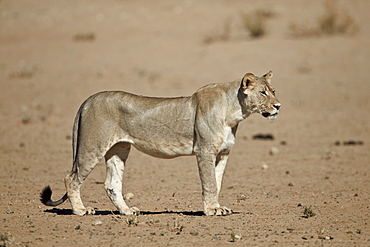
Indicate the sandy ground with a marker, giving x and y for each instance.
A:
(53, 55)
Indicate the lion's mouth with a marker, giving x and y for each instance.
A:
(269, 115)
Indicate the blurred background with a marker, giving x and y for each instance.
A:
(54, 54)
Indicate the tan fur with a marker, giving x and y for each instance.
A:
(204, 124)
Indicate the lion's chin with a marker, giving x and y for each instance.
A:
(270, 116)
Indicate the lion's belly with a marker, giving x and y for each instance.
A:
(169, 149)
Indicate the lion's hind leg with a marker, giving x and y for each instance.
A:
(73, 182)
(85, 161)
(115, 161)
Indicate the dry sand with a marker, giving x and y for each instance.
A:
(54, 54)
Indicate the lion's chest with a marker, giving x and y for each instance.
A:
(228, 140)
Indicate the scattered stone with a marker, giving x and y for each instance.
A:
(325, 237)
(263, 137)
(96, 223)
(274, 151)
(235, 237)
(128, 196)
(349, 143)
(283, 143)
(307, 237)
(265, 166)
(290, 185)
(26, 119)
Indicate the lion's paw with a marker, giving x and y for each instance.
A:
(218, 211)
(84, 211)
(90, 210)
(131, 211)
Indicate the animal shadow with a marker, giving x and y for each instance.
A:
(60, 211)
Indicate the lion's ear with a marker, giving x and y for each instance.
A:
(248, 82)
(268, 76)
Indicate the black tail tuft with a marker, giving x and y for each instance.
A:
(45, 197)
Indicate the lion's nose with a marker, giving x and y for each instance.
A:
(277, 106)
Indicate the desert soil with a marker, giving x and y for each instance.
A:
(54, 54)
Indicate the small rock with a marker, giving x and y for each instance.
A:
(274, 151)
(237, 237)
(325, 237)
(26, 119)
(263, 137)
(128, 196)
(307, 237)
(265, 166)
(96, 223)
(351, 143)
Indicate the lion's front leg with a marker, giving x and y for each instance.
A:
(221, 162)
(210, 185)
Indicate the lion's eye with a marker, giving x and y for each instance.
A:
(264, 93)
(273, 92)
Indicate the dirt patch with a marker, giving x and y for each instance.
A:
(308, 185)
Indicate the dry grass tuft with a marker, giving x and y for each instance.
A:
(255, 23)
(333, 22)
(336, 22)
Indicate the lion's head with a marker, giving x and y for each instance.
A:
(260, 95)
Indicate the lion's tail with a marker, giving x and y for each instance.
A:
(45, 197)
(75, 132)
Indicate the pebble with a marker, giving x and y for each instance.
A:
(96, 223)
(274, 151)
(265, 166)
(325, 237)
(263, 137)
(128, 196)
(238, 236)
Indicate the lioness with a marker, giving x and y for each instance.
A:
(204, 124)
